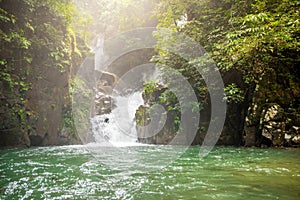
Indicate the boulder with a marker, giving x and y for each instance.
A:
(103, 102)
(108, 79)
(103, 105)
(296, 140)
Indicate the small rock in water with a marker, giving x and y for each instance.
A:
(106, 120)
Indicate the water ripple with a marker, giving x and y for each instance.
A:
(74, 173)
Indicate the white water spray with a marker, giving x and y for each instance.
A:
(118, 128)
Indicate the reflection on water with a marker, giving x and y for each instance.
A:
(73, 173)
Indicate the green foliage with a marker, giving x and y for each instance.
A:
(45, 39)
(260, 39)
(150, 87)
(68, 120)
(233, 94)
(80, 105)
(38, 48)
(169, 99)
(264, 38)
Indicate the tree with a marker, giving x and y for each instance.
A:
(264, 44)
(257, 39)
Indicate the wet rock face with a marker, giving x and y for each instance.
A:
(36, 140)
(102, 104)
(103, 100)
(12, 138)
(108, 79)
(145, 134)
(229, 136)
(281, 127)
(250, 136)
(148, 135)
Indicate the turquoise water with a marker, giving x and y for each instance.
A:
(226, 173)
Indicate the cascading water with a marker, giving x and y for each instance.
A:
(118, 128)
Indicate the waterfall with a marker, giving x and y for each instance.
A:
(118, 128)
(99, 52)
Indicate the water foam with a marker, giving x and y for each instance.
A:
(118, 128)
